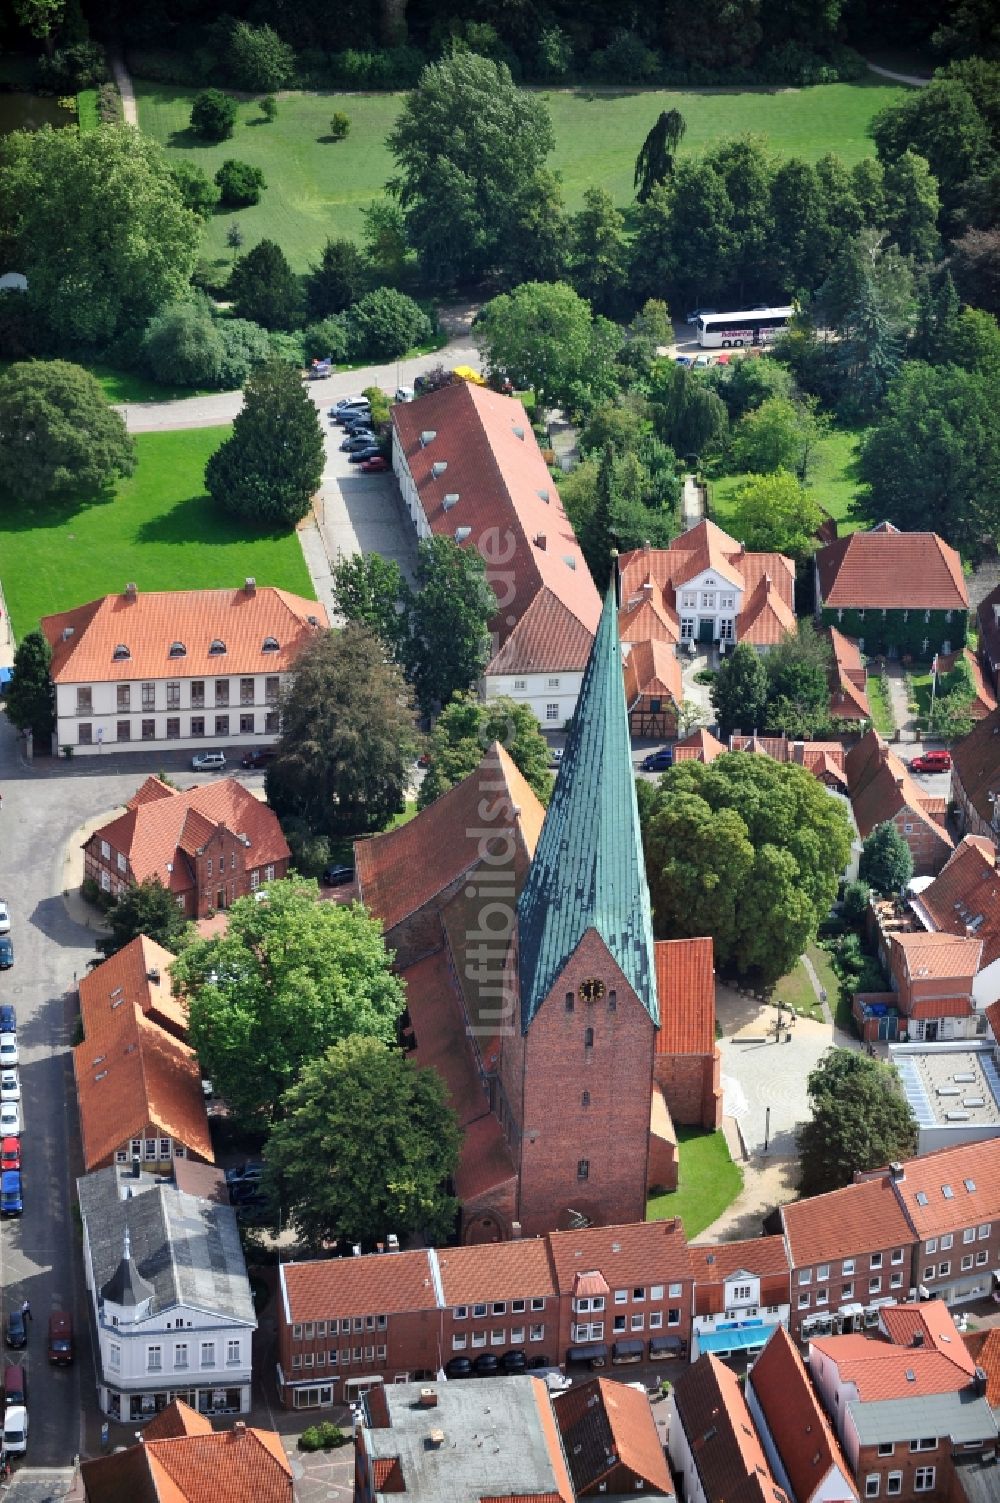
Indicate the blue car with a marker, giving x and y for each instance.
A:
(8, 1018)
(11, 1203)
(658, 761)
(6, 952)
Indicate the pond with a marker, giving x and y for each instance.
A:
(30, 112)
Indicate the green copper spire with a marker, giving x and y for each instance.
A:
(588, 870)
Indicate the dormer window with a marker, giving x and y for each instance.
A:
(178, 650)
(270, 644)
(217, 647)
(121, 652)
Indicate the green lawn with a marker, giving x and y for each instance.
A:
(159, 530)
(796, 992)
(86, 111)
(881, 709)
(317, 187)
(708, 1182)
(832, 480)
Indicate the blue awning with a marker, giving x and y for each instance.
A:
(743, 1340)
(6, 674)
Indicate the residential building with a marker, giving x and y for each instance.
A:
(824, 759)
(714, 1449)
(988, 627)
(904, 1407)
(699, 746)
(138, 1084)
(931, 978)
(653, 689)
(182, 1458)
(799, 1444)
(610, 1441)
(964, 900)
(883, 792)
(172, 1308)
(895, 593)
(208, 845)
(710, 590)
(485, 1442)
(953, 1090)
(742, 1294)
(498, 1298)
(178, 668)
(975, 779)
(469, 469)
(952, 1201)
(848, 680)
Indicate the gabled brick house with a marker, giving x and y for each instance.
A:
(610, 1440)
(882, 791)
(975, 779)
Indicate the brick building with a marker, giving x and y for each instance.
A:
(975, 779)
(848, 680)
(653, 689)
(742, 1293)
(610, 1440)
(714, 1449)
(208, 845)
(882, 791)
(796, 1434)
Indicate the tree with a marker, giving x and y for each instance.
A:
(372, 1182)
(41, 18)
(739, 692)
(975, 264)
(776, 514)
(745, 169)
(29, 700)
(684, 242)
(367, 590)
(475, 174)
(198, 192)
(689, 416)
(860, 1121)
(745, 385)
(98, 225)
(340, 126)
(384, 324)
(385, 236)
(145, 908)
(239, 184)
(870, 352)
(244, 345)
(798, 696)
(290, 977)
(468, 727)
(803, 239)
(712, 34)
(337, 281)
(648, 333)
(778, 435)
(182, 345)
(542, 336)
(655, 161)
(272, 463)
(446, 640)
(269, 108)
(347, 744)
(941, 124)
(234, 237)
(912, 206)
(749, 850)
(58, 434)
(886, 860)
(538, 241)
(264, 288)
(938, 309)
(599, 251)
(213, 115)
(258, 59)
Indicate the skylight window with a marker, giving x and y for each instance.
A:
(921, 1198)
(970, 1185)
(947, 1192)
(178, 650)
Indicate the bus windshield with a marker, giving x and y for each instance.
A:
(734, 331)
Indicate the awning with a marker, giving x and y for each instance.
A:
(592, 1353)
(6, 674)
(745, 1339)
(666, 1344)
(628, 1349)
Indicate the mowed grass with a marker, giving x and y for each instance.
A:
(708, 1182)
(160, 530)
(832, 480)
(318, 187)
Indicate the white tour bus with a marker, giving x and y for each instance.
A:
(733, 331)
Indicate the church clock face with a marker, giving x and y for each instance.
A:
(591, 990)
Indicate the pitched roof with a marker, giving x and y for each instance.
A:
(848, 694)
(795, 1418)
(767, 614)
(548, 638)
(123, 637)
(604, 1424)
(239, 1465)
(932, 1325)
(652, 668)
(160, 831)
(496, 1271)
(698, 746)
(714, 1262)
(588, 870)
(176, 1419)
(965, 895)
(495, 485)
(984, 1349)
(439, 1027)
(330, 1288)
(401, 870)
(484, 1161)
(880, 786)
(976, 760)
(648, 619)
(983, 700)
(928, 957)
(864, 1217)
(890, 570)
(685, 986)
(724, 1444)
(640, 1253)
(988, 625)
(881, 1371)
(954, 1187)
(138, 974)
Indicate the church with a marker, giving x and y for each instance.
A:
(571, 1042)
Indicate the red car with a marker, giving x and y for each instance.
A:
(374, 466)
(10, 1154)
(932, 761)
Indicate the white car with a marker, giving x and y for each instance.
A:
(10, 1119)
(4, 918)
(15, 1430)
(209, 762)
(10, 1085)
(8, 1051)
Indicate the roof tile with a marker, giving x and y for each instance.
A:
(604, 1424)
(799, 1428)
(685, 985)
(976, 760)
(864, 1217)
(638, 1253)
(716, 1421)
(330, 1288)
(890, 570)
(496, 1271)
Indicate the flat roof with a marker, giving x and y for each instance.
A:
(950, 1085)
(963, 1416)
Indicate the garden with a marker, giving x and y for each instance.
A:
(708, 1182)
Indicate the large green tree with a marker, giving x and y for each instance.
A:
(337, 280)
(468, 144)
(58, 433)
(739, 692)
(544, 336)
(446, 641)
(367, 590)
(348, 740)
(464, 731)
(798, 695)
(778, 435)
(941, 124)
(98, 224)
(264, 288)
(29, 700)
(684, 241)
(860, 1120)
(599, 251)
(148, 908)
(658, 152)
(271, 465)
(182, 345)
(776, 514)
(366, 1147)
(912, 206)
(748, 850)
(290, 977)
(688, 414)
(886, 860)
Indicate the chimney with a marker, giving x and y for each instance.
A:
(250, 585)
(897, 1172)
(435, 1439)
(540, 541)
(136, 1168)
(153, 974)
(240, 1427)
(899, 783)
(428, 1399)
(131, 590)
(392, 1242)
(515, 1231)
(980, 1383)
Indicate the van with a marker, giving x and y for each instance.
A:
(15, 1385)
(60, 1338)
(15, 1430)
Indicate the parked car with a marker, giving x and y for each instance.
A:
(15, 1430)
(4, 918)
(209, 762)
(353, 414)
(403, 394)
(345, 403)
(15, 1384)
(356, 441)
(259, 757)
(514, 1362)
(932, 761)
(16, 1334)
(10, 1085)
(10, 1119)
(658, 761)
(10, 1154)
(724, 358)
(362, 456)
(355, 421)
(486, 1365)
(376, 465)
(683, 359)
(11, 1203)
(8, 1018)
(458, 1367)
(8, 1051)
(337, 876)
(6, 952)
(555, 756)
(60, 1338)
(253, 1169)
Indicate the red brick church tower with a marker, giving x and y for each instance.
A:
(576, 1063)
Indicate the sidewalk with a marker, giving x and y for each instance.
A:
(899, 703)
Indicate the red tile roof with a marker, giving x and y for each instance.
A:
(715, 1263)
(148, 624)
(549, 638)
(984, 700)
(890, 570)
(848, 692)
(699, 746)
(767, 615)
(685, 985)
(439, 1026)
(880, 787)
(604, 1424)
(139, 973)
(984, 1349)
(966, 892)
(725, 1447)
(881, 1371)
(241, 1465)
(652, 668)
(177, 1419)
(976, 760)
(799, 1427)
(503, 494)
(496, 1271)
(993, 1017)
(400, 871)
(330, 1288)
(485, 1162)
(652, 1252)
(937, 957)
(932, 1321)
(824, 759)
(648, 619)
(865, 1217)
(970, 1170)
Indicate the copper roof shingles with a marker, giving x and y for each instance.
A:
(890, 570)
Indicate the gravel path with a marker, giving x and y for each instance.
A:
(129, 108)
(903, 78)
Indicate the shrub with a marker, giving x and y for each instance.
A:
(269, 107)
(386, 323)
(244, 345)
(199, 193)
(328, 338)
(182, 346)
(395, 68)
(287, 347)
(70, 69)
(109, 104)
(259, 59)
(213, 115)
(626, 60)
(239, 184)
(340, 126)
(554, 53)
(322, 1437)
(378, 404)
(855, 902)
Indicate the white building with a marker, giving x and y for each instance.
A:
(197, 669)
(742, 1293)
(171, 1299)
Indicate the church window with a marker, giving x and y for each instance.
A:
(585, 1099)
(612, 1001)
(583, 1169)
(588, 1038)
(570, 1001)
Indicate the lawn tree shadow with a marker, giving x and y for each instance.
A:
(51, 513)
(198, 519)
(329, 140)
(189, 140)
